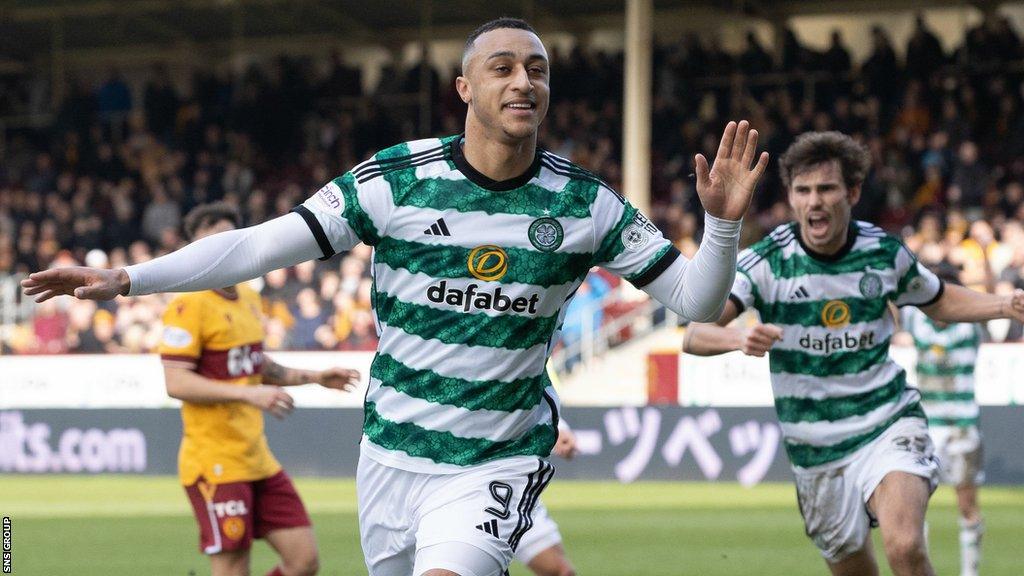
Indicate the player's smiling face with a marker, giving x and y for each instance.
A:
(822, 203)
(505, 83)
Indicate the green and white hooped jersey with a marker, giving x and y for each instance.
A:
(835, 387)
(471, 282)
(945, 368)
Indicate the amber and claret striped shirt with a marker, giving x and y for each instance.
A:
(219, 337)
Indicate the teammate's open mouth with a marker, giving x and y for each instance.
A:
(818, 224)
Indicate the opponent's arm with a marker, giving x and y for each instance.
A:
(960, 304)
(216, 261)
(187, 386)
(337, 378)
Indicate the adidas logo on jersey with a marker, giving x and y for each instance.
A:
(490, 527)
(438, 228)
(799, 293)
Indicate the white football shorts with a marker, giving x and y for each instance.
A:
(470, 522)
(833, 500)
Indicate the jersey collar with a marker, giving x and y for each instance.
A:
(851, 239)
(482, 181)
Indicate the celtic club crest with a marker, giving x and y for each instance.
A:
(871, 285)
(546, 234)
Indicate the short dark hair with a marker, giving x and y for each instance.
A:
(813, 148)
(206, 215)
(496, 24)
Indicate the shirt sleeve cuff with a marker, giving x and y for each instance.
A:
(134, 283)
(722, 230)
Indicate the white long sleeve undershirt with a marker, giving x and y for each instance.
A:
(227, 258)
(696, 290)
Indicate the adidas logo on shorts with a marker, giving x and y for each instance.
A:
(489, 527)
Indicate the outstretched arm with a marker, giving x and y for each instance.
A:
(719, 338)
(960, 304)
(216, 261)
(342, 379)
(703, 339)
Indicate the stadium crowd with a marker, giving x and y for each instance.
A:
(110, 180)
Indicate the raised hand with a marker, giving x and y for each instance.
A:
(78, 281)
(726, 187)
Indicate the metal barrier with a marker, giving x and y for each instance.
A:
(645, 318)
(15, 307)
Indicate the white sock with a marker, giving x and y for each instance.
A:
(970, 546)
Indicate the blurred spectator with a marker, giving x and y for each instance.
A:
(50, 326)
(881, 70)
(160, 214)
(161, 103)
(310, 316)
(755, 59)
(114, 101)
(837, 58)
(970, 178)
(924, 52)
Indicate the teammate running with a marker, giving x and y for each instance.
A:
(212, 351)
(479, 241)
(855, 433)
(946, 355)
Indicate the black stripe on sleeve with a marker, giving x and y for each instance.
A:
(316, 229)
(740, 307)
(933, 300)
(657, 268)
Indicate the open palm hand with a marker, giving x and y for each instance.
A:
(725, 188)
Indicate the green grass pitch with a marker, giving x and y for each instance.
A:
(114, 525)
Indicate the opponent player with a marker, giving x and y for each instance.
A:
(946, 355)
(212, 351)
(479, 241)
(855, 433)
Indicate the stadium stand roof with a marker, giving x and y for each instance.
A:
(33, 29)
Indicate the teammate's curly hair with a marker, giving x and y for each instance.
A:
(813, 148)
(209, 214)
